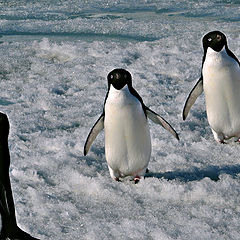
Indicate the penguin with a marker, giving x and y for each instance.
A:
(220, 81)
(127, 135)
(10, 229)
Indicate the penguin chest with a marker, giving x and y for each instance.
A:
(127, 136)
(221, 83)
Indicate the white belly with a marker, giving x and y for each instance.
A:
(127, 136)
(221, 83)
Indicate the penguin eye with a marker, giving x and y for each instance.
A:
(111, 76)
(209, 39)
(125, 76)
(219, 37)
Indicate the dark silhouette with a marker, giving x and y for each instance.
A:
(9, 230)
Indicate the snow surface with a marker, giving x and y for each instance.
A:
(55, 56)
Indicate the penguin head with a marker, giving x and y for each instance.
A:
(215, 40)
(118, 78)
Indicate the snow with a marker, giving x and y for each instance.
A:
(54, 61)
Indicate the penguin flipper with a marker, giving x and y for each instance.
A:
(96, 129)
(193, 95)
(4, 210)
(161, 121)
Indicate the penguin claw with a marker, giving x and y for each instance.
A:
(117, 179)
(136, 179)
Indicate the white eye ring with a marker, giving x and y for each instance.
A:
(209, 39)
(111, 76)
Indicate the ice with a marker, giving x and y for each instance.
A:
(54, 61)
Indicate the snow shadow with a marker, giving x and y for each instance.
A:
(197, 174)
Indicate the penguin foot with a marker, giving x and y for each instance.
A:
(117, 179)
(16, 234)
(218, 136)
(136, 179)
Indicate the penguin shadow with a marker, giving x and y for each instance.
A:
(197, 174)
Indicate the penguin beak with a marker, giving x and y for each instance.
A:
(118, 76)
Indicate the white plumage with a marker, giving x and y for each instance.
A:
(221, 74)
(127, 135)
(220, 81)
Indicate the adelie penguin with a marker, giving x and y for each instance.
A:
(220, 81)
(9, 230)
(127, 135)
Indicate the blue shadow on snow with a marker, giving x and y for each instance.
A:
(197, 174)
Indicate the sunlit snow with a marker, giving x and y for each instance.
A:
(55, 57)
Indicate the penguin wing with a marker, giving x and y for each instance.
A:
(231, 54)
(193, 95)
(4, 210)
(159, 120)
(96, 129)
